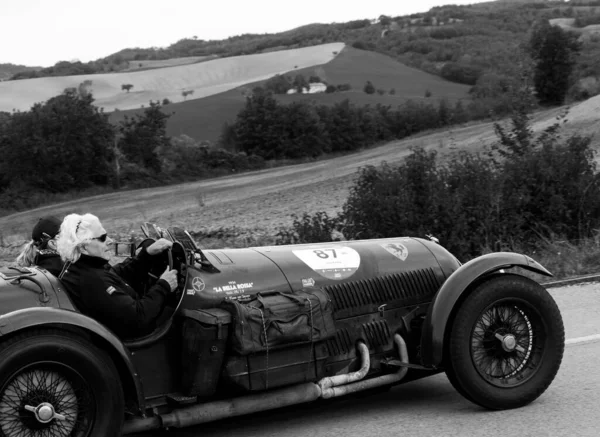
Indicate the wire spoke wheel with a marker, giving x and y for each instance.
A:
(55, 383)
(507, 343)
(45, 400)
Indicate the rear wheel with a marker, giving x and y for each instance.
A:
(53, 383)
(506, 343)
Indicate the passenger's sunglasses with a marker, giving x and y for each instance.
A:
(101, 238)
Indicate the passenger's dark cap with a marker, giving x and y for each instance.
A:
(48, 225)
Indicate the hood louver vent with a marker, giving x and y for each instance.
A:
(341, 344)
(412, 287)
(378, 333)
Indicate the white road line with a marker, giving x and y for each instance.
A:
(587, 339)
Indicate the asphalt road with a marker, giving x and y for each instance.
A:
(431, 406)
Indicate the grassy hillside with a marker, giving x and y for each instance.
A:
(459, 43)
(202, 119)
(569, 24)
(204, 78)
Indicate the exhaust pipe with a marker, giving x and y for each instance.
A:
(359, 384)
(326, 388)
(333, 381)
(211, 411)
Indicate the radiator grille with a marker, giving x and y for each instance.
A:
(409, 286)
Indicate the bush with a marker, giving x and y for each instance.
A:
(584, 89)
(526, 190)
(279, 84)
(363, 45)
(460, 73)
(587, 20)
(309, 229)
(369, 88)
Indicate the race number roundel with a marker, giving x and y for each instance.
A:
(331, 262)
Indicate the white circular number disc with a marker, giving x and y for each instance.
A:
(331, 262)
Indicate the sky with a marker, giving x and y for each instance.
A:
(43, 32)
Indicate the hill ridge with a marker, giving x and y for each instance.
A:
(204, 78)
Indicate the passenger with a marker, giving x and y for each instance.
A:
(102, 291)
(41, 250)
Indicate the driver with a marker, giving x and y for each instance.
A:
(102, 291)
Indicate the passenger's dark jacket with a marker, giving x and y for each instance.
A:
(50, 260)
(105, 294)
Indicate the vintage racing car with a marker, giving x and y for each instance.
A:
(265, 327)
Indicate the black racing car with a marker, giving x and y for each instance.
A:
(266, 327)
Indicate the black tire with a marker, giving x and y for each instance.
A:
(60, 369)
(506, 343)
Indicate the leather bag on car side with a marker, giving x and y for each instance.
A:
(276, 319)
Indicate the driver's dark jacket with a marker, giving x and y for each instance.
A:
(50, 260)
(104, 293)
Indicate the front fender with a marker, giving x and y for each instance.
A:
(39, 317)
(443, 304)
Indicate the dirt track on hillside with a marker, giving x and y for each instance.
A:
(265, 200)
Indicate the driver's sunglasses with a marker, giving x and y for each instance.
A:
(102, 238)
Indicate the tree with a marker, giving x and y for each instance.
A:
(306, 136)
(343, 124)
(57, 146)
(142, 135)
(278, 84)
(260, 128)
(84, 87)
(369, 88)
(554, 51)
(126, 87)
(385, 20)
(300, 83)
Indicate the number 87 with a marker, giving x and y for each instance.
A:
(321, 253)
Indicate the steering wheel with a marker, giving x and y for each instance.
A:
(177, 260)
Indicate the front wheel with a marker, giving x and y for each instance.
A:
(54, 383)
(506, 343)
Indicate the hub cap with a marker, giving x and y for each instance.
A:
(44, 412)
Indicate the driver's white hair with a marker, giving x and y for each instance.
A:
(75, 231)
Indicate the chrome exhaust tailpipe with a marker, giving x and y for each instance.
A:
(331, 391)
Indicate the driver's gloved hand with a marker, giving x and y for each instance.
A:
(171, 277)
